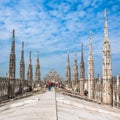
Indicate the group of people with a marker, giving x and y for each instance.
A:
(49, 85)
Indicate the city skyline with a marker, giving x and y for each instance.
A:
(54, 27)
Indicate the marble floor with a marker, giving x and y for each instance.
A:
(55, 106)
(69, 108)
(38, 107)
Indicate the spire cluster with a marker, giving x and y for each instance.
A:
(77, 84)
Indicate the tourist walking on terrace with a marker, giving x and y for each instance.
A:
(49, 86)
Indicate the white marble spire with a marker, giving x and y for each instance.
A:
(75, 72)
(82, 72)
(90, 70)
(12, 67)
(37, 73)
(68, 71)
(22, 64)
(105, 26)
(106, 65)
(30, 73)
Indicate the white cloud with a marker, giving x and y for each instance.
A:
(53, 30)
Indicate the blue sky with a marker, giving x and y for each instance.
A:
(53, 26)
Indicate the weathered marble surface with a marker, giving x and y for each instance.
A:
(38, 107)
(43, 107)
(74, 109)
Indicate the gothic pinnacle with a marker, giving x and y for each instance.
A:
(12, 68)
(13, 34)
(37, 73)
(30, 60)
(105, 18)
(82, 52)
(68, 72)
(22, 64)
(90, 36)
(37, 54)
(13, 42)
(22, 46)
(68, 59)
(75, 58)
(22, 55)
(90, 70)
(107, 65)
(90, 42)
(82, 72)
(105, 26)
(30, 73)
(37, 57)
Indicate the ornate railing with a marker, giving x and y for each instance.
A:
(8, 91)
(97, 89)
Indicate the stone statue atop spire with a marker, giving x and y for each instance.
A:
(90, 70)
(106, 65)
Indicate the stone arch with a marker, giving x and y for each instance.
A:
(53, 76)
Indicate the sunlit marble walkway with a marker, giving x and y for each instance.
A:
(43, 107)
(38, 107)
(69, 108)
